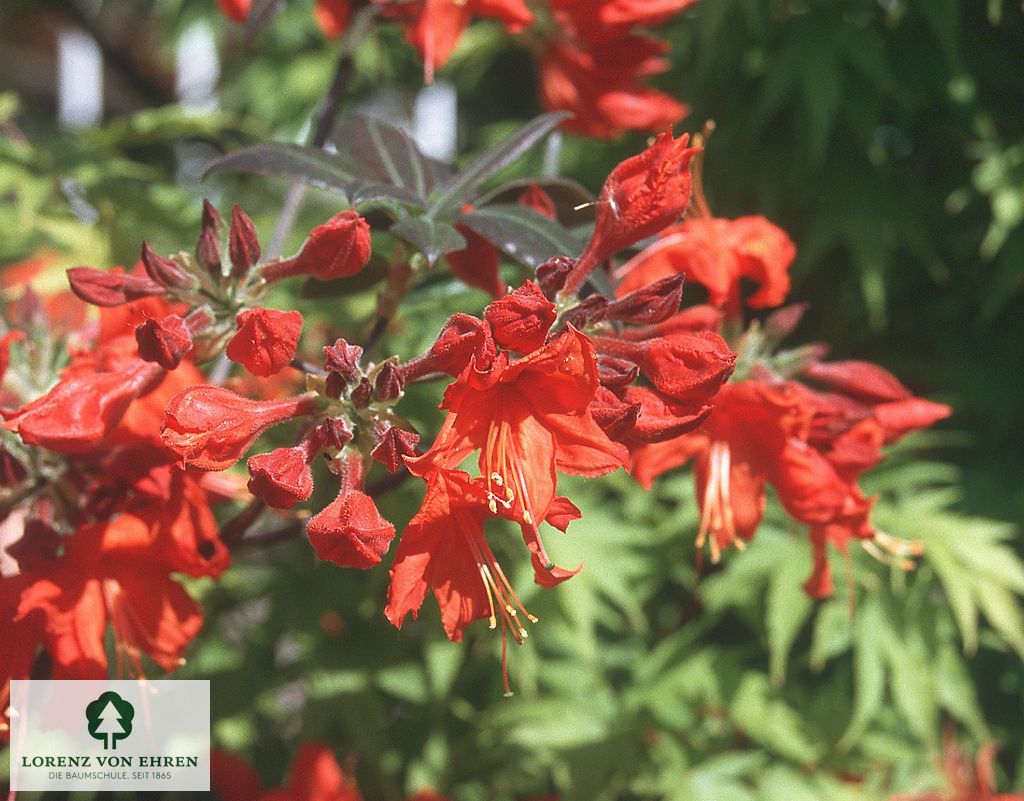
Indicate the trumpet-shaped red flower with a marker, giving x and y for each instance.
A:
(717, 254)
(643, 195)
(212, 427)
(599, 83)
(434, 26)
(526, 418)
(107, 575)
(266, 340)
(760, 432)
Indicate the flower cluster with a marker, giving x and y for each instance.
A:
(109, 469)
(591, 58)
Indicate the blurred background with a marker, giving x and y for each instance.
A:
(886, 137)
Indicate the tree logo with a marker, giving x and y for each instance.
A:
(110, 719)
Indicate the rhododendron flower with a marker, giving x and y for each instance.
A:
(212, 427)
(643, 195)
(717, 254)
(599, 83)
(434, 26)
(107, 575)
(266, 340)
(526, 418)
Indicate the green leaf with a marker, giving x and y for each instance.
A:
(522, 233)
(868, 670)
(309, 165)
(381, 153)
(788, 606)
(770, 721)
(459, 189)
(433, 239)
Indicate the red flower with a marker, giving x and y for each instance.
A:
(22, 634)
(526, 418)
(6, 341)
(434, 26)
(599, 83)
(266, 340)
(717, 254)
(108, 575)
(337, 249)
(212, 427)
(642, 196)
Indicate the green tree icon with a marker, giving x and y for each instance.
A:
(110, 719)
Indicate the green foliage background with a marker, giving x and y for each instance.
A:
(888, 139)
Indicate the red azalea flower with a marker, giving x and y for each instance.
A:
(315, 776)
(22, 634)
(212, 427)
(107, 575)
(599, 83)
(642, 196)
(526, 418)
(266, 340)
(434, 26)
(717, 254)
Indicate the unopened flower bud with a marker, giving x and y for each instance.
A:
(211, 217)
(102, 288)
(165, 341)
(395, 443)
(208, 252)
(615, 372)
(362, 394)
(521, 320)
(343, 359)
(337, 249)
(534, 197)
(243, 242)
(162, 270)
(266, 340)
(12, 471)
(651, 304)
(281, 477)
(212, 427)
(551, 275)
(334, 433)
(387, 387)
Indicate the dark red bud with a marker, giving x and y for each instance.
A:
(615, 372)
(37, 546)
(394, 444)
(243, 242)
(163, 271)
(589, 310)
(387, 387)
(651, 304)
(551, 275)
(615, 416)
(12, 471)
(362, 394)
(103, 288)
(343, 359)
(335, 433)
(211, 217)
(208, 251)
(165, 341)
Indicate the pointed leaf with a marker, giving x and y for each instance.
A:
(522, 233)
(432, 239)
(458, 190)
(383, 154)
